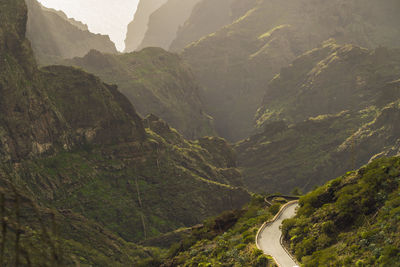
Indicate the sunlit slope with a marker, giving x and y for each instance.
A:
(237, 62)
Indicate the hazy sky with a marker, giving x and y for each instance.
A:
(102, 16)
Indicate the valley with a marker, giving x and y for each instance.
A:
(177, 151)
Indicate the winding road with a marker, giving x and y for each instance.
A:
(269, 237)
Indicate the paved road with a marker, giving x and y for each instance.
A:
(269, 238)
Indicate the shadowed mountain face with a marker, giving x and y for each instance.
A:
(359, 86)
(208, 17)
(237, 62)
(54, 36)
(156, 82)
(165, 22)
(138, 27)
(77, 145)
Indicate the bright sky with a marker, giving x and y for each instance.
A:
(109, 17)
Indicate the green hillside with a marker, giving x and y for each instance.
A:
(75, 145)
(226, 240)
(156, 82)
(312, 130)
(351, 221)
(332, 110)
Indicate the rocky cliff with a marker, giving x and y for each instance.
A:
(54, 36)
(236, 63)
(138, 27)
(342, 104)
(208, 17)
(164, 23)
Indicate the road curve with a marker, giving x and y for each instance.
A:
(269, 236)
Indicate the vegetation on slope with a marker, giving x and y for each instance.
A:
(351, 221)
(33, 235)
(227, 240)
(77, 146)
(156, 82)
(54, 37)
(208, 17)
(236, 62)
(328, 80)
(302, 155)
(351, 95)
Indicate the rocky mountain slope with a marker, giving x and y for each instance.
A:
(328, 80)
(54, 36)
(138, 27)
(164, 23)
(352, 220)
(156, 82)
(208, 17)
(76, 145)
(236, 62)
(330, 111)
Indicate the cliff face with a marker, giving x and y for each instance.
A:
(165, 22)
(77, 145)
(298, 145)
(327, 80)
(138, 27)
(208, 17)
(236, 62)
(156, 82)
(55, 37)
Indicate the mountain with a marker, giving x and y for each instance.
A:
(208, 17)
(75, 145)
(61, 14)
(156, 82)
(164, 23)
(226, 239)
(328, 80)
(54, 36)
(236, 62)
(138, 27)
(332, 110)
(351, 220)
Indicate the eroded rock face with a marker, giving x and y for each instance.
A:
(332, 110)
(208, 17)
(328, 80)
(138, 27)
(55, 37)
(165, 22)
(236, 63)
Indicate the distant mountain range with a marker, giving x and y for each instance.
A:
(54, 36)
